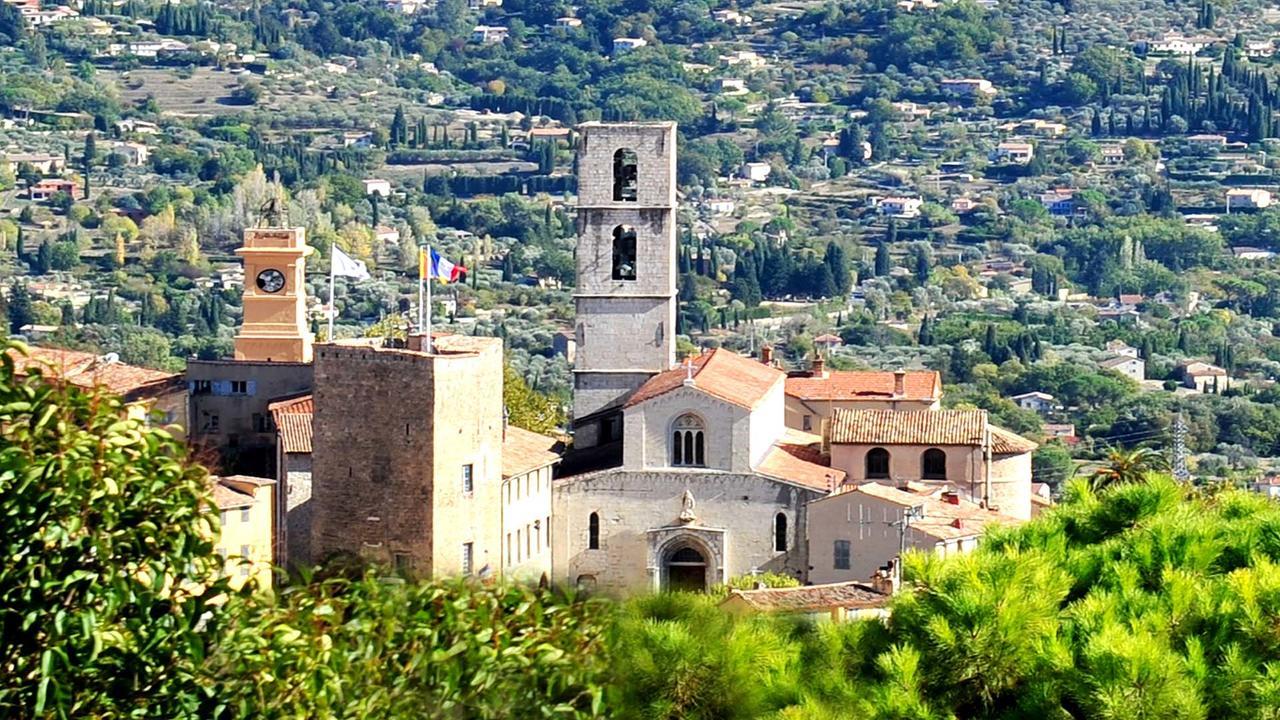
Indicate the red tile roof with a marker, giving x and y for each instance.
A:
(811, 598)
(293, 423)
(908, 427)
(721, 374)
(1004, 442)
(226, 497)
(802, 464)
(524, 451)
(869, 385)
(88, 370)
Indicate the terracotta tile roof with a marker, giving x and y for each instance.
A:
(88, 370)
(226, 497)
(801, 464)
(812, 598)
(870, 385)
(721, 374)
(908, 427)
(1004, 442)
(524, 451)
(942, 520)
(293, 423)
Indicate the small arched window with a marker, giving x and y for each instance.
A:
(593, 532)
(624, 253)
(877, 464)
(625, 175)
(933, 464)
(780, 532)
(688, 437)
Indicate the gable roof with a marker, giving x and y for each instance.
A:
(908, 427)
(721, 374)
(942, 520)
(1004, 442)
(801, 464)
(811, 598)
(88, 370)
(866, 384)
(1116, 362)
(524, 451)
(293, 423)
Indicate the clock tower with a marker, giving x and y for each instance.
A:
(275, 326)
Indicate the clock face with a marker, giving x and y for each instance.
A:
(270, 280)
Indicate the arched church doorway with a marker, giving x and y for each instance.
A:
(686, 570)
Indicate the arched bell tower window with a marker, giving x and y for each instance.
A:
(933, 464)
(877, 464)
(593, 531)
(780, 532)
(624, 175)
(624, 253)
(688, 438)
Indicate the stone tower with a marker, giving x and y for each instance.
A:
(625, 299)
(275, 324)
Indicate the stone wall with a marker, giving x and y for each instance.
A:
(640, 512)
(296, 482)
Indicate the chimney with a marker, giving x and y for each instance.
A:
(885, 580)
(414, 341)
(818, 368)
(951, 497)
(766, 354)
(899, 383)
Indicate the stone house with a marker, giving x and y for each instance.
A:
(838, 602)
(957, 450)
(1131, 367)
(708, 484)
(855, 532)
(528, 462)
(813, 397)
(1204, 378)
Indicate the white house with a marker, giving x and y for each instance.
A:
(1121, 348)
(1019, 153)
(756, 172)
(378, 186)
(1037, 401)
(624, 45)
(1205, 378)
(901, 207)
(968, 87)
(134, 153)
(1130, 367)
(488, 34)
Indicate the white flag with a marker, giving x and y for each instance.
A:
(347, 266)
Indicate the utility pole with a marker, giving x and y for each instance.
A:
(915, 512)
(1180, 471)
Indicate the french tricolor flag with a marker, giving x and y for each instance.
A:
(442, 269)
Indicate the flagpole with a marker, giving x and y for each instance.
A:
(430, 271)
(332, 310)
(422, 279)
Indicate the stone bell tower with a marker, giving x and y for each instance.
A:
(625, 299)
(275, 326)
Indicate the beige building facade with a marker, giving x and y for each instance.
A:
(949, 449)
(528, 464)
(812, 397)
(246, 528)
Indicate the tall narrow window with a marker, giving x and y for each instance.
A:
(841, 555)
(780, 532)
(468, 558)
(468, 481)
(933, 464)
(625, 175)
(688, 442)
(877, 464)
(624, 253)
(593, 532)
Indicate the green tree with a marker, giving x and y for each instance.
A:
(528, 408)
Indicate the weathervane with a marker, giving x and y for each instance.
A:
(271, 212)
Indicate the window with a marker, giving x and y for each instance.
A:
(625, 175)
(806, 423)
(467, 484)
(508, 548)
(262, 423)
(528, 541)
(518, 545)
(245, 551)
(878, 463)
(780, 532)
(842, 555)
(611, 428)
(213, 423)
(468, 557)
(687, 442)
(593, 532)
(239, 387)
(624, 253)
(401, 562)
(547, 526)
(244, 514)
(223, 517)
(933, 464)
